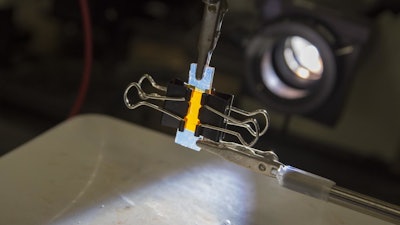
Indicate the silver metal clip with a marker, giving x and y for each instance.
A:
(249, 123)
(264, 162)
(144, 96)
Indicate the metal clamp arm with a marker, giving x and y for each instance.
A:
(214, 12)
(264, 162)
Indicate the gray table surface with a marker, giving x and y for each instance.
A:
(95, 169)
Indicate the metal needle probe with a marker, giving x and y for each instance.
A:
(267, 163)
(214, 12)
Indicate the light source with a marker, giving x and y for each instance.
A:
(301, 59)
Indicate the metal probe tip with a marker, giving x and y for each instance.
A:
(214, 12)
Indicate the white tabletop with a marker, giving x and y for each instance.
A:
(95, 169)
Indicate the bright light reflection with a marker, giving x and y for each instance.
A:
(309, 57)
(274, 84)
(208, 194)
(303, 73)
(301, 56)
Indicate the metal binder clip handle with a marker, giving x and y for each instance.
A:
(148, 96)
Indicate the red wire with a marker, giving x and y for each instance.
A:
(88, 58)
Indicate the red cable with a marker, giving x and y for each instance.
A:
(88, 57)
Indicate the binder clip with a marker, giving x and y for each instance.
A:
(199, 112)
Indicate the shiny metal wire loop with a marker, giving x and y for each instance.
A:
(231, 132)
(146, 96)
(253, 130)
(152, 82)
(262, 112)
(232, 121)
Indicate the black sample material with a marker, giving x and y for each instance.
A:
(220, 102)
(176, 88)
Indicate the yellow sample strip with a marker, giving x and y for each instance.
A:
(191, 119)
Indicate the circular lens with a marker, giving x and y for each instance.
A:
(273, 81)
(291, 67)
(303, 58)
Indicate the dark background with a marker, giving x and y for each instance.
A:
(41, 61)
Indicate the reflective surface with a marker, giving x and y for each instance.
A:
(274, 83)
(303, 58)
(98, 170)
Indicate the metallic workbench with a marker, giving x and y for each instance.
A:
(95, 169)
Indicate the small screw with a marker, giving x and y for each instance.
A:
(261, 167)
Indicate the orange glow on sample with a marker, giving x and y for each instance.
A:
(191, 118)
